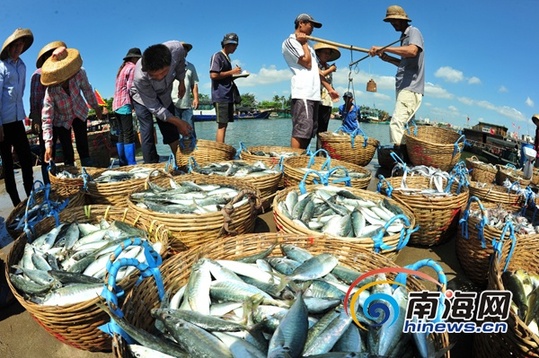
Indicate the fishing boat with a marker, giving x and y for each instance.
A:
(206, 112)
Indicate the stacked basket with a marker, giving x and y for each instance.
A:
(434, 146)
(205, 151)
(509, 172)
(176, 270)
(77, 324)
(509, 199)
(389, 245)
(275, 154)
(198, 229)
(481, 171)
(355, 148)
(436, 216)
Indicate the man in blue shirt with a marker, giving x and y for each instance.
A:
(12, 131)
(349, 113)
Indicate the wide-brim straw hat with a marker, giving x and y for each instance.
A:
(19, 33)
(186, 46)
(335, 53)
(395, 12)
(535, 119)
(46, 52)
(61, 67)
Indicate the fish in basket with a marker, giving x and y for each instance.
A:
(271, 155)
(265, 178)
(481, 171)
(436, 198)
(516, 277)
(60, 275)
(370, 220)
(198, 209)
(204, 151)
(356, 147)
(283, 279)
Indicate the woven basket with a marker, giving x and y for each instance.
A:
(295, 169)
(496, 194)
(434, 146)
(266, 184)
(67, 187)
(198, 229)
(480, 171)
(117, 193)
(287, 225)
(100, 148)
(473, 257)
(355, 149)
(75, 200)
(519, 340)
(436, 216)
(205, 151)
(176, 270)
(77, 324)
(513, 174)
(249, 154)
(535, 177)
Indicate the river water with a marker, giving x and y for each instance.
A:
(269, 132)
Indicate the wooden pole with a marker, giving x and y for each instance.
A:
(349, 47)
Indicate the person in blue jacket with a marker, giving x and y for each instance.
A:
(349, 113)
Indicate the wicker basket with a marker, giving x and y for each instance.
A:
(100, 149)
(116, 193)
(473, 253)
(249, 153)
(176, 270)
(496, 194)
(512, 174)
(67, 187)
(351, 148)
(197, 229)
(480, 171)
(296, 168)
(37, 198)
(394, 243)
(434, 146)
(535, 177)
(266, 184)
(436, 216)
(77, 324)
(205, 151)
(519, 340)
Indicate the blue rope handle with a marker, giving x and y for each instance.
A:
(171, 164)
(111, 291)
(346, 179)
(191, 140)
(191, 164)
(480, 225)
(406, 232)
(381, 181)
(356, 132)
(411, 123)
(397, 159)
(497, 245)
(302, 183)
(242, 147)
(327, 163)
(442, 279)
(457, 148)
(86, 178)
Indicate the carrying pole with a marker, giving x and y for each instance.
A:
(350, 47)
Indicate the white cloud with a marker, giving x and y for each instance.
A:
(505, 111)
(436, 91)
(529, 102)
(266, 76)
(449, 74)
(474, 81)
(503, 89)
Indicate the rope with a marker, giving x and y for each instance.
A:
(497, 245)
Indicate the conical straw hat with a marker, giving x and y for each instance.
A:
(19, 33)
(335, 53)
(46, 52)
(62, 65)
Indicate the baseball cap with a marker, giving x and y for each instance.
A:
(307, 17)
(348, 94)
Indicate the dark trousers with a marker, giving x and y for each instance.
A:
(64, 135)
(145, 123)
(44, 165)
(125, 126)
(15, 138)
(80, 129)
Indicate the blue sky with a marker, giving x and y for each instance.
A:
(481, 56)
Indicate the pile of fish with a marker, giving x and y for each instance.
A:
(274, 154)
(337, 173)
(113, 176)
(336, 211)
(497, 217)
(67, 265)
(188, 197)
(64, 174)
(439, 181)
(236, 168)
(525, 289)
(288, 305)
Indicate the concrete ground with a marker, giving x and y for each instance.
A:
(22, 336)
